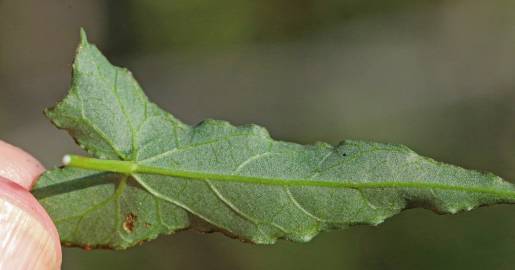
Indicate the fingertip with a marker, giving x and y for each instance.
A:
(28, 237)
(19, 166)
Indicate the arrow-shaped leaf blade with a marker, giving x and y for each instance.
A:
(158, 175)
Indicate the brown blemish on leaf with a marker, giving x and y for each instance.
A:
(128, 224)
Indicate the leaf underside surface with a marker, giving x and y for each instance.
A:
(218, 177)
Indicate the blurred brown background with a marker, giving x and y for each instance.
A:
(438, 76)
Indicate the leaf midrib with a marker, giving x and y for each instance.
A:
(133, 168)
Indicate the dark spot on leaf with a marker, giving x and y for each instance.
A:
(344, 154)
(128, 224)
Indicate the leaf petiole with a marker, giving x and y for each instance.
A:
(118, 166)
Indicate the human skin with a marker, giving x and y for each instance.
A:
(28, 237)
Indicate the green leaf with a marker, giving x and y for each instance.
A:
(151, 174)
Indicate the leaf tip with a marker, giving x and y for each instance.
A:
(83, 37)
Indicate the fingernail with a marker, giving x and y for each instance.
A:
(28, 239)
(19, 166)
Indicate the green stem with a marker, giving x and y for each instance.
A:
(132, 167)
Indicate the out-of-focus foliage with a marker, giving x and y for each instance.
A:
(437, 76)
(213, 24)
